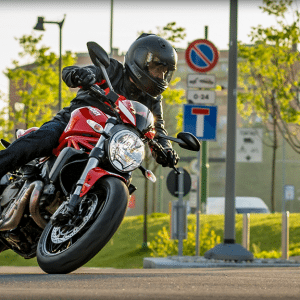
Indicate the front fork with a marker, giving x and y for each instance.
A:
(93, 162)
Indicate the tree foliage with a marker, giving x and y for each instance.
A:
(269, 77)
(37, 84)
(269, 73)
(6, 125)
(170, 32)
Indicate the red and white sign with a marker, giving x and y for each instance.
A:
(200, 113)
(201, 55)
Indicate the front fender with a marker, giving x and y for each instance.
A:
(93, 176)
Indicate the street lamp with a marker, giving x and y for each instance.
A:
(40, 26)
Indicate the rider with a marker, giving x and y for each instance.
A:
(149, 64)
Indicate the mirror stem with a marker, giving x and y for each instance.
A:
(169, 138)
(106, 76)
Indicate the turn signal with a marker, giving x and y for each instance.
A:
(96, 127)
(149, 175)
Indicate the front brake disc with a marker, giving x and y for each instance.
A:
(64, 233)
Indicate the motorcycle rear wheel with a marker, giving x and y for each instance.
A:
(68, 250)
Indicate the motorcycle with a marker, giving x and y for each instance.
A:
(64, 208)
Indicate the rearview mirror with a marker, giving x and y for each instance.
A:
(98, 54)
(185, 140)
(190, 142)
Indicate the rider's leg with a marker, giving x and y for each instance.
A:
(35, 144)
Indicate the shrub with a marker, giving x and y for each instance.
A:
(266, 254)
(257, 253)
(163, 246)
(158, 215)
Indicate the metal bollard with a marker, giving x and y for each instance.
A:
(285, 237)
(246, 231)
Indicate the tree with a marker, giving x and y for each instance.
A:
(6, 125)
(269, 77)
(37, 83)
(172, 102)
(170, 33)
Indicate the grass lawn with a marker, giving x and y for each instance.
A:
(125, 250)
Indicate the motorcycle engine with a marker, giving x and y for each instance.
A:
(9, 193)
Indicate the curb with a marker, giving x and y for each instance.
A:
(176, 262)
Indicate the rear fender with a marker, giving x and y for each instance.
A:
(93, 176)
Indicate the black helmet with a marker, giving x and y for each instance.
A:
(150, 62)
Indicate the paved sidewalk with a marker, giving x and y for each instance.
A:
(202, 262)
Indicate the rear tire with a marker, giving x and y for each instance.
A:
(113, 195)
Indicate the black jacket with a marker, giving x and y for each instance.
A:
(122, 86)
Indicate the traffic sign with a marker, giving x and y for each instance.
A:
(201, 55)
(201, 97)
(249, 145)
(201, 81)
(172, 183)
(289, 192)
(200, 120)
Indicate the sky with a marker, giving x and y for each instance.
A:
(89, 20)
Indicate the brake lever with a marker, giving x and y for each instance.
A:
(162, 150)
(94, 88)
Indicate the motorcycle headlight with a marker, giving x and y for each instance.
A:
(126, 151)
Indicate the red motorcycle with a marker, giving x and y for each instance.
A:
(87, 179)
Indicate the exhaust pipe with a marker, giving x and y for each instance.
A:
(34, 207)
(13, 217)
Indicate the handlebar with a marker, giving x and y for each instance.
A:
(97, 90)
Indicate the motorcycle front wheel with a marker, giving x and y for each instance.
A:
(62, 250)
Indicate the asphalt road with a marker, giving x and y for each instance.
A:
(201, 283)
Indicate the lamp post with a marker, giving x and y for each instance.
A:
(111, 26)
(40, 26)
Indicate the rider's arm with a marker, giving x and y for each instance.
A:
(114, 71)
(172, 158)
(159, 122)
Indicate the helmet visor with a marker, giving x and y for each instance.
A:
(158, 69)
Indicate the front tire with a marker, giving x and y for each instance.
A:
(72, 250)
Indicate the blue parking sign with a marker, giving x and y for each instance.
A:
(201, 121)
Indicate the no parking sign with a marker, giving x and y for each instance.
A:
(201, 55)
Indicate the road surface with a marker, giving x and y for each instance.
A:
(201, 283)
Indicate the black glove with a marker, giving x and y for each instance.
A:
(83, 77)
(170, 160)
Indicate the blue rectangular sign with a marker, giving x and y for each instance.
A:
(200, 120)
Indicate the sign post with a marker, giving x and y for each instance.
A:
(201, 56)
(229, 250)
(179, 185)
